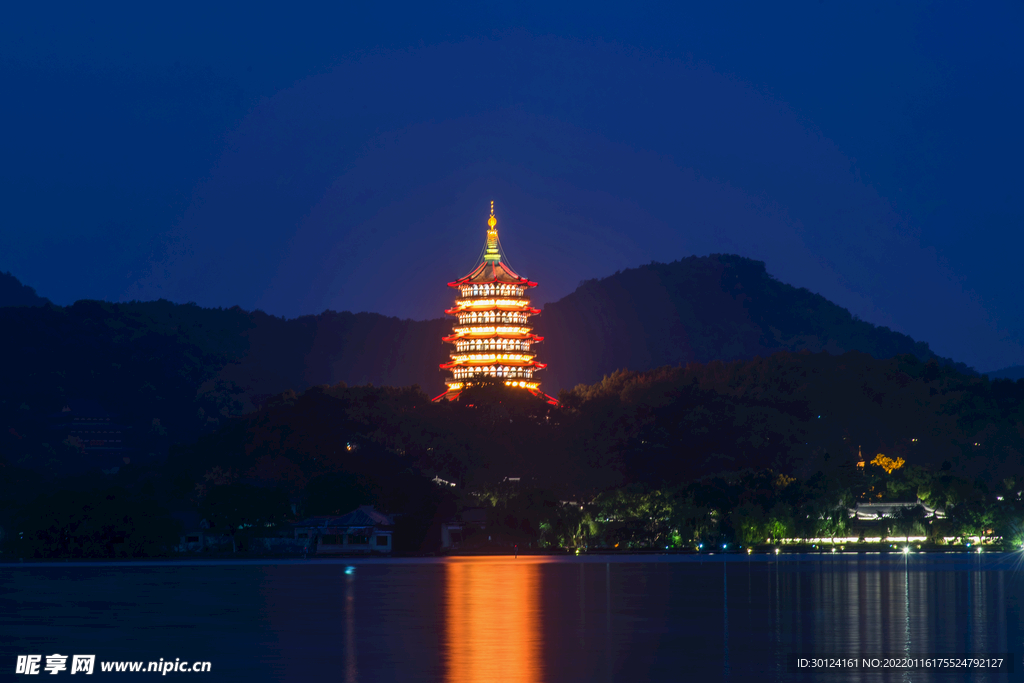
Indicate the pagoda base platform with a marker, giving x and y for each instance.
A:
(453, 395)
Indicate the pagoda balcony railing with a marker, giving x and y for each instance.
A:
(525, 309)
(491, 301)
(494, 329)
(491, 357)
(494, 318)
(491, 290)
(505, 345)
(469, 375)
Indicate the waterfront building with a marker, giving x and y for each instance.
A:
(492, 337)
(361, 531)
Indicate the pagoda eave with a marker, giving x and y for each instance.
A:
(502, 274)
(467, 280)
(469, 365)
(493, 335)
(503, 309)
(467, 327)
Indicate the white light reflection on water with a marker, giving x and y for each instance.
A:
(351, 668)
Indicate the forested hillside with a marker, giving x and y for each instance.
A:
(699, 309)
(152, 359)
(712, 452)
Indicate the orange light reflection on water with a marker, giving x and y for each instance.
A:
(493, 619)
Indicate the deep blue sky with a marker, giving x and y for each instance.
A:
(343, 157)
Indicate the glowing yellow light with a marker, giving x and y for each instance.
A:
(490, 357)
(476, 330)
(492, 253)
(887, 463)
(494, 626)
(491, 303)
(524, 385)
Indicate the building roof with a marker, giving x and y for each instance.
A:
(363, 516)
(492, 271)
(490, 267)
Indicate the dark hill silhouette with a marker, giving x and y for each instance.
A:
(699, 309)
(1013, 372)
(355, 348)
(13, 293)
(134, 357)
(139, 358)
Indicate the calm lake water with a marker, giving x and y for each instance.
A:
(477, 620)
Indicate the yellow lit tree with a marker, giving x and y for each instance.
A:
(887, 463)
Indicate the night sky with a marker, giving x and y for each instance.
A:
(344, 157)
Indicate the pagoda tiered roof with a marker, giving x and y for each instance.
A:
(492, 271)
(493, 305)
(466, 360)
(491, 334)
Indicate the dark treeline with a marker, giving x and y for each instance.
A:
(738, 452)
(696, 309)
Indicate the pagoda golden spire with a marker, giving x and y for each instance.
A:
(492, 253)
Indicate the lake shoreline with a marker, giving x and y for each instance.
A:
(933, 560)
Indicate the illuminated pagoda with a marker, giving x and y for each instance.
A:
(492, 336)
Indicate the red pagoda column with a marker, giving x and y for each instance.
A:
(492, 337)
